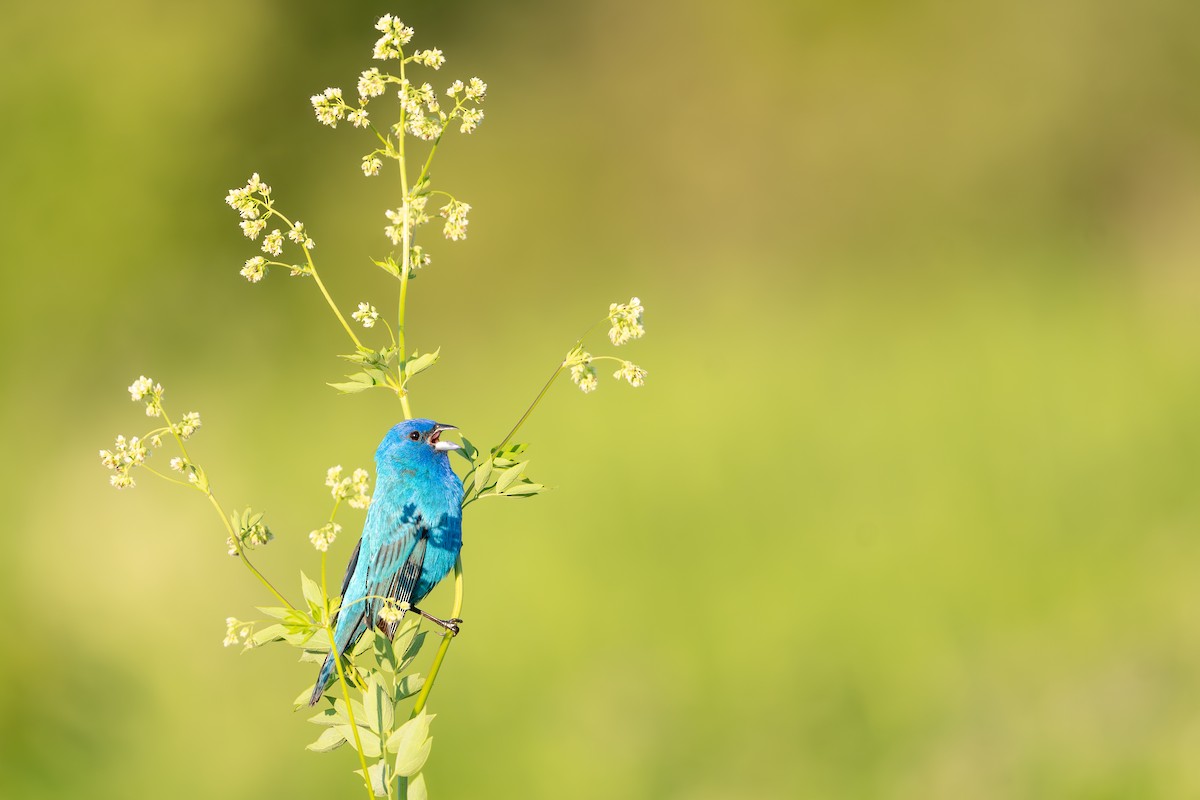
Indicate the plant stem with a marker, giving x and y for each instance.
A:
(405, 261)
(241, 552)
(532, 406)
(312, 269)
(337, 662)
(419, 705)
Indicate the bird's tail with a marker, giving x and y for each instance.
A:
(322, 679)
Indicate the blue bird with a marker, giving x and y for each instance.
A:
(411, 538)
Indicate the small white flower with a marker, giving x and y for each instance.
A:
(454, 89)
(177, 464)
(273, 242)
(360, 486)
(233, 631)
(298, 235)
(358, 118)
(255, 184)
(430, 58)
(370, 83)
(122, 481)
(252, 227)
(324, 536)
(188, 425)
(631, 373)
(395, 36)
(371, 166)
(329, 106)
(455, 213)
(476, 90)
(140, 388)
(255, 269)
(333, 476)
(626, 320)
(471, 117)
(583, 374)
(366, 314)
(392, 613)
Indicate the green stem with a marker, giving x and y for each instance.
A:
(337, 662)
(532, 406)
(241, 553)
(406, 261)
(445, 645)
(312, 270)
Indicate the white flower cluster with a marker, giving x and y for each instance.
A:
(145, 389)
(430, 58)
(356, 489)
(255, 269)
(631, 373)
(125, 455)
(244, 202)
(455, 213)
(237, 632)
(626, 320)
(392, 612)
(329, 106)
(298, 235)
(188, 425)
(584, 375)
(371, 164)
(324, 536)
(416, 216)
(395, 35)
(416, 101)
(474, 89)
(366, 314)
(371, 83)
(253, 204)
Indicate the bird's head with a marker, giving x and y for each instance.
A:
(414, 441)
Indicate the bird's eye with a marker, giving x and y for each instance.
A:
(414, 436)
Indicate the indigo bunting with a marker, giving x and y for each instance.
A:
(411, 538)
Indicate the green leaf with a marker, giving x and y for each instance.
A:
(370, 741)
(409, 685)
(379, 706)
(359, 381)
(388, 265)
(269, 634)
(312, 593)
(527, 489)
(328, 716)
(419, 364)
(482, 473)
(330, 739)
(375, 773)
(278, 612)
(411, 651)
(469, 450)
(509, 476)
(411, 744)
(416, 788)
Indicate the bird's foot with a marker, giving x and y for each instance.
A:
(450, 626)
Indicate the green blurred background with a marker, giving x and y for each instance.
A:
(906, 509)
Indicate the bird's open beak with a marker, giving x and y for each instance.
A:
(438, 444)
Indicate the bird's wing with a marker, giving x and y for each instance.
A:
(350, 569)
(396, 567)
(405, 582)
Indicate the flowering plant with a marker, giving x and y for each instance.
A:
(376, 678)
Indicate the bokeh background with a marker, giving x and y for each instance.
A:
(906, 510)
